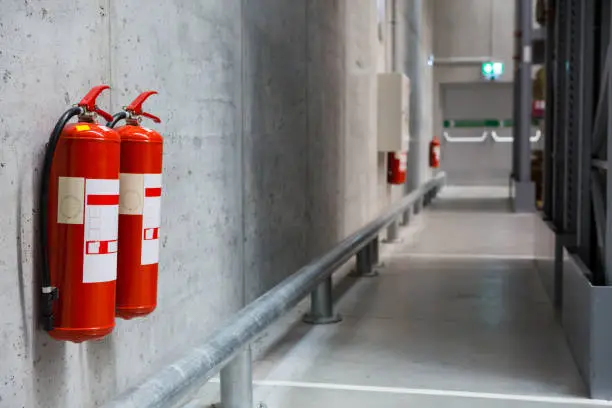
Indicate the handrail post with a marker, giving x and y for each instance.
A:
(418, 206)
(237, 381)
(365, 259)
(322, 304)
(393, 233)
(427, 198)
(375, 253)
(406, 217)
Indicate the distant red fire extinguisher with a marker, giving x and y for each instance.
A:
(434, 153)
(78, 224)
(139, 211)
(397, 164)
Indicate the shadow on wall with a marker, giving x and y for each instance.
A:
(275, 145)
(53, 370)
(326, 76)
(308, 151)
(294, 119)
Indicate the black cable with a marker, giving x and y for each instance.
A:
(116, 118)
(49, 293)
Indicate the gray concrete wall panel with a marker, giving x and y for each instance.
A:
(275, 167)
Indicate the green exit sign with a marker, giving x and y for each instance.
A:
(492, 70)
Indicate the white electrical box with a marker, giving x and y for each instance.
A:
(393, 112)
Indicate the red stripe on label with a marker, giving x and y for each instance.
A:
(107, 199)
(153, 192)
(151, 234)
(100, 247)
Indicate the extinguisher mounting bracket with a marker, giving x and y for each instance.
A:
(135, 108)
(49, 295)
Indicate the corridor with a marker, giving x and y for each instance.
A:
(305, 203)
(457, 317)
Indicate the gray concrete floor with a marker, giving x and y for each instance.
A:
(457, 318)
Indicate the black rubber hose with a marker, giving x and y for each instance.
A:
(49, 294)
(116, 118)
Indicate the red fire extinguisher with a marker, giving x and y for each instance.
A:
(434, 153)
(397, 164)
(78, 224)
(139, 211)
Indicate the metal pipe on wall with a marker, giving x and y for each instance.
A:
(524, 188)
(515, 88)
(394, 36)
(414, 66)
(550, 95)
(525, 92)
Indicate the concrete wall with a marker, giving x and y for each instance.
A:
(275, 125)
(473, 28)
(268, 111)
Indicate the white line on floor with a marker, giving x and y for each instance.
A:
(430, 392)
(463, 256)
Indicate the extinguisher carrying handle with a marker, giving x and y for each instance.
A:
(135, 108)
(49, 293)
(89, 102)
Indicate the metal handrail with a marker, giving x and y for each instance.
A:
(201, 363)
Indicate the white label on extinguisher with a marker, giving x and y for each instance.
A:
(403, 160)
(131, 193)
(437, 152)
(70, 200)
(101, 230)
(151, 219)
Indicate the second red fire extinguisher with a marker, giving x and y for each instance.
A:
(434, 153)
(397, 164)
(139, 211)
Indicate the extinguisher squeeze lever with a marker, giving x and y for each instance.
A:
(133, 110)
(89, 102)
